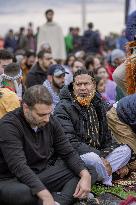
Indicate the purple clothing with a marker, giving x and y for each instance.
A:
(110, 92)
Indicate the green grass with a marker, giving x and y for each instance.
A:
(118, 190)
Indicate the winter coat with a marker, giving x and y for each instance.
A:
(91, 42)
(35, 76)
(71, 117)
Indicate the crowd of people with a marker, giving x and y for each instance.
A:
(67, 114)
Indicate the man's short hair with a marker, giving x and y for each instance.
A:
(41, 54)
(12, 70)
(30, 53)
(71, 29)
(37, 94)
(22, 29)
(47, 11)
(90, 25)
(83, 71)
(5, 55)
(77, 60)
(89, 61)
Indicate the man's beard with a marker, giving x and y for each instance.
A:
(29, 66)
(32, 121)
(56, 85)
(85, 100)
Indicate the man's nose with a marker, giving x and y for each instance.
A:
(46, 118)
(63, 80)
(83, 87)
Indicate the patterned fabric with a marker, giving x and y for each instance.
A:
(91, 126)
(54, 95)
(128, 183)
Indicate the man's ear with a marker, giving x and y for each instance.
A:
(40, 61)
(94, 85)
(25, 107)
(49, 77)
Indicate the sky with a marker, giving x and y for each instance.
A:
(107, 15)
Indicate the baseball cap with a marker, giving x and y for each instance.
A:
(56, 70)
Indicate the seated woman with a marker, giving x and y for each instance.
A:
(112, 93)
(100, 88)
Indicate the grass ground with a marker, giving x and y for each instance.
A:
(116, 189)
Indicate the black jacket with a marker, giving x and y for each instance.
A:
(25, 153)
(91, 41)
(35, 76)
(70, 116)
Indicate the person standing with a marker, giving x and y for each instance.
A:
(5, 58)
(51, 33)
(10, 41)
(91, 40)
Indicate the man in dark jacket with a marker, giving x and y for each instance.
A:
(82, 115)
(122, 122)
(30, 141)
(38, 73)
(5, 58)
(91, 41)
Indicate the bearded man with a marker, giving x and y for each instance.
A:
(31, 139)
(55, 81)
(82, 115)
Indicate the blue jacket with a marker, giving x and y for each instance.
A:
(131, 27)
(126, 111)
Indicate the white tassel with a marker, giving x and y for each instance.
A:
(16, 85)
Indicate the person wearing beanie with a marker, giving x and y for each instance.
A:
(117, 56)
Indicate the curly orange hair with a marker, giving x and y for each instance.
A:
(131, 68)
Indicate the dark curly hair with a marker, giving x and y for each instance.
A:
(83, 71)
(5, 55)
